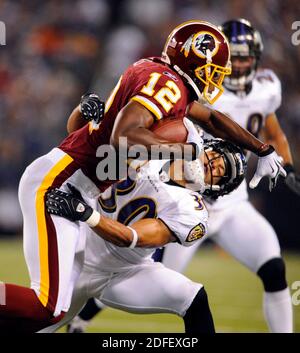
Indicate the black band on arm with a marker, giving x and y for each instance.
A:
(265, 152)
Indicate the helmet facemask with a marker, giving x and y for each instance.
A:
(238, 81)
(231, 171)
(245, 43)
(214, 179)
(211, 78)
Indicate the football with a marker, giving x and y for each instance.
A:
(171, 129)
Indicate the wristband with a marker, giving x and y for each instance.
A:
(94, 219)
(262, 153)
(134, 239)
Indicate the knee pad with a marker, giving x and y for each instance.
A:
(272, 274)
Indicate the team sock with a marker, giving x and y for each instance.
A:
(278, 311)
(90, 310)
(198, 318)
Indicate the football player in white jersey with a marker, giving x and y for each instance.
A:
(251, 98)
(138, 215)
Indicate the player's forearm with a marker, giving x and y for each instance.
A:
(75, 121)
(150, 233)
(133, 123)
(114, 232)
(220, 125)
(153, 143)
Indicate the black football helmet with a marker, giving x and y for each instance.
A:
(235, 167)
(244, 41)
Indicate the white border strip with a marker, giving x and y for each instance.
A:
(2, 294)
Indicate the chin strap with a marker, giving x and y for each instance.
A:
(201, 99)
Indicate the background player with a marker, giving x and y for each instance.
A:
(159, 210)
(251, 98)
(194, 63)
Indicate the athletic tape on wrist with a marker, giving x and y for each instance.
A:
(94, 219)
(134, 239)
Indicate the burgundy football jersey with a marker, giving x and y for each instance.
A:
(149, 82)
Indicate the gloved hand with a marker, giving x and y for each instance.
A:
(193, 137)
(268, 165)
(194, 175)
(292, 180)
(68, 205)
(91, 107)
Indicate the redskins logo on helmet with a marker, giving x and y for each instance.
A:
(199, 52)
(201, 43)
(205, 43)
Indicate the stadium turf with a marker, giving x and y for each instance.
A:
(235, 294)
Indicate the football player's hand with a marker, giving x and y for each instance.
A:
(193, 137)
(268, 165)
(292, 180)
(91, 107)
(194, 175)
(68, 205)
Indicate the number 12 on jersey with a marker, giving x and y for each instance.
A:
(167, 96)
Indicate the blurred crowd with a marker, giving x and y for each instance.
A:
(57, 50)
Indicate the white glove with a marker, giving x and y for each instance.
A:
(270, 166)
(193, 135)
(194, 175)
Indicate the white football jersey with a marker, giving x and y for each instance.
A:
(182, 210)
(249, 111)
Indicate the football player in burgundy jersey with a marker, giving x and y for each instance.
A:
(193, 65)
